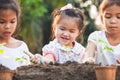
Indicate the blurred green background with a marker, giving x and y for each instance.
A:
(36, 20)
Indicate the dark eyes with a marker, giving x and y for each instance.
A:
(62, 28)
(108, 16)
(13, 21)
(72, 31)
(118, 17)
(2, 21)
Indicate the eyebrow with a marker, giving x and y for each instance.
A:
(118, 14)
(14, 19)
(11, 19)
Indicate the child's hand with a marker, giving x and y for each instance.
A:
(36, 59)
(118, 61)
(88, 60)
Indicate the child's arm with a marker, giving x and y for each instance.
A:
(48, 58)
(39, 59)
(32, 57)
(118, 61)
(29, 54)
(89, 53)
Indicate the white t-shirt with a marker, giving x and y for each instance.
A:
(63, 54)
(106, 54)
(14, 57)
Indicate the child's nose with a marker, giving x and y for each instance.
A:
(113, 20)
(7, 25)
(66, 33)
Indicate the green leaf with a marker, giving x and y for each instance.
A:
(101, 41)
(108, 48)
(17, 59)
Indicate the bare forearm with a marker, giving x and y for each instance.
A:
(89, 53)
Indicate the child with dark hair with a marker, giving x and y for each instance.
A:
(68, 24)
(104, 46)
(11, 50)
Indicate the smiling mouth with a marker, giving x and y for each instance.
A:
(64, 38)
(113, 27)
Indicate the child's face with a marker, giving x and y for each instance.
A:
(67, 31)
(8, 22)
(111, 19)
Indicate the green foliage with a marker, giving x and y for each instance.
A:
(34, 8)
(36, 20)
(31, 30)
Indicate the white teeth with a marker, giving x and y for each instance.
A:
(65, 38)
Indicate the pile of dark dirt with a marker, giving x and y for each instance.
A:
(3, 67)
(67, 71)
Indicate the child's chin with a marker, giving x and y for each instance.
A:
(66, 44)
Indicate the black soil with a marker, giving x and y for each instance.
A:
(67, 71)
(3, 67)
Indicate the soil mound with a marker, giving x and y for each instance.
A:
(67, 71)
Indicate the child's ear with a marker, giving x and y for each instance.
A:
(101, 18)
(80, 32)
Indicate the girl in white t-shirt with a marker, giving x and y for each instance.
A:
(67, 26)
(11, 50)
(104, 46)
